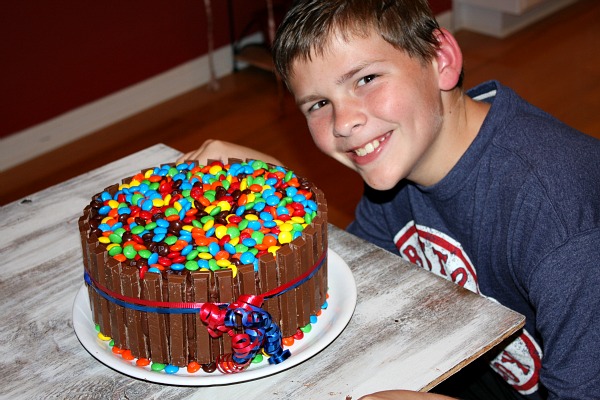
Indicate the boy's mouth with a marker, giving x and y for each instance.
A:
(371, 146)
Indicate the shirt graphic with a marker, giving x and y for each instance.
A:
(519, 363)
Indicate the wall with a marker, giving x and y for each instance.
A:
(62, 54)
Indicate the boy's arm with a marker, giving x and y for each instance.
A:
(220, 150)
(404, 395)
(565, 291)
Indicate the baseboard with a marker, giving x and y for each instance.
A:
(77, 123)
(500, 18)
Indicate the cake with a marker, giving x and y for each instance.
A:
(205, 266)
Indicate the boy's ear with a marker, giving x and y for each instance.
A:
(449, 60)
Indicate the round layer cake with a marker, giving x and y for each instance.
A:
(206, 265)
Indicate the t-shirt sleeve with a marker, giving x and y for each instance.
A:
(371, 224)
(564, 290)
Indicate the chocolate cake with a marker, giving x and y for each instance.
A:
(205, 266)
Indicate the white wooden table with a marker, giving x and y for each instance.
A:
(413, 328)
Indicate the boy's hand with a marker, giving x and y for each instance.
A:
(403, 395)
(220, 150)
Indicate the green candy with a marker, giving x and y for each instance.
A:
(191, 255)
(212, 265)
(151, 226)
(243, 224)
(192, 265)
(157, 366)
(170, 240)
(205, 219)
(138, 229)
(145, 253)
(129, 252)
(233, 232)
(119, 231)
(136, 198)
(115, 250)
(171, 211)
(114, 238)
(258, 236)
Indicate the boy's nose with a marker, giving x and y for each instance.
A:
(348, 119)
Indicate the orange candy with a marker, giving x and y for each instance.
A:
(193, 367)
(142, 362)
(127, 355)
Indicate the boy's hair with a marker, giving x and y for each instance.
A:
(308, 26)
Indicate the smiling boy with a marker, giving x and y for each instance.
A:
(479, 187)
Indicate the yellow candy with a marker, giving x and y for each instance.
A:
(157, 202)
(209, 224)
(233, 268)
(205, 256)
(110, 246)
(148, 174)
(187, 228)
(106, 219)
(235, 241)
(113, 203)
(177, 206)
(244, 184)
(273, 249)
(215, 169)
(223, 263)
(104, 239)
(225, 206)
(251, 217)
(298, 220)
(285, 237)
(285, 227)
(167, 199)
(220, 231)
(102, 337)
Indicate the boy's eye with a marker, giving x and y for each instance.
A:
(317, 105)
(366, 79)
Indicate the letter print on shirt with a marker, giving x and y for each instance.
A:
(520, 362)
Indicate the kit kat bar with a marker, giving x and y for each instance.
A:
(286, 271)
(117, 312)
(98, 265)
(200, 346)
(224, 281)
(303, 293)
(157, 323)
(177, 322)
(268, 281)
(137, 341)
(246, 280)
(308, 234)
(320, 276)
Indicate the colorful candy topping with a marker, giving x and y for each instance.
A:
(190, 217)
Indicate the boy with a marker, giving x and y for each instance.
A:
(479, 187)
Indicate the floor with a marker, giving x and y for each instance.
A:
(555, 64)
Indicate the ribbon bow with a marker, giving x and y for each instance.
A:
(258, 331)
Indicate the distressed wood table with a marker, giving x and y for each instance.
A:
(410, 326)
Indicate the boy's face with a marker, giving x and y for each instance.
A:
(373, 108)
